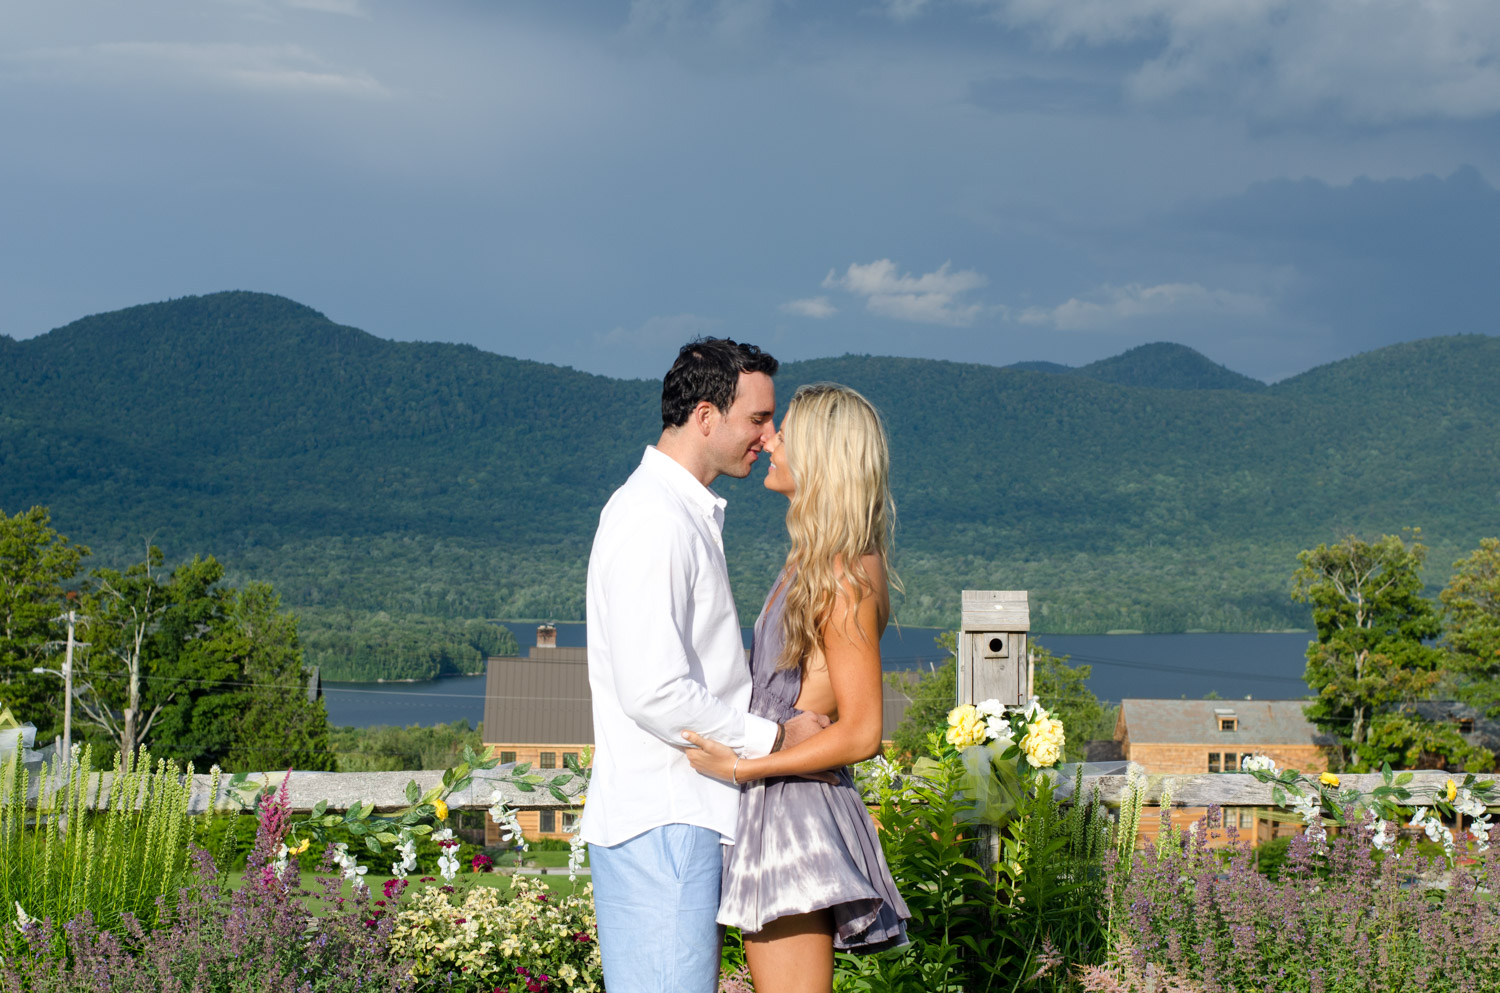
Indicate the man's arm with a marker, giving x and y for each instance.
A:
(648, 580)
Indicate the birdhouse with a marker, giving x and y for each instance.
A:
(992, 657)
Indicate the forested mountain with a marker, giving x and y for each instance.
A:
(1155, 490)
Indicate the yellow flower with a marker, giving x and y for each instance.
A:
(1329, 779)
(1452, 790)
(300, 848)
(1044, 742)
(441, 809)
(965, 726)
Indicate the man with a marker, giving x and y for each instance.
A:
(665, 655)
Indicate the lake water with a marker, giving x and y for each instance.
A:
(1265, 666)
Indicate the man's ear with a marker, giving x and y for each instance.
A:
(703, 417)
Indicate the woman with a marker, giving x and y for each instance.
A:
(806, 875)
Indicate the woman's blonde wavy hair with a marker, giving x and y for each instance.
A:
(841, 510)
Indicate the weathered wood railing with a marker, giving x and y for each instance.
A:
(387, 790)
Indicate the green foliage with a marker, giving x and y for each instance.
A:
(1371, 654)
(64, 859)
(932, 696)
(388, 749)
(359, 646)
(36, 564)
(440, 480)
(1471, 625)
(1023, 928)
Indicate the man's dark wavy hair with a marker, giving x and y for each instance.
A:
(708, 369)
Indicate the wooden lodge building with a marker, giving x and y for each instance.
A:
(1192, 737)
(538, 709)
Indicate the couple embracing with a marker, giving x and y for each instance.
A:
(721, 793)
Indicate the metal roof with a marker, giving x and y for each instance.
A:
(1196, 722)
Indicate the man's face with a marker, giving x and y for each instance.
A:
(737, 437)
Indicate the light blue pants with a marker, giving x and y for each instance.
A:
(656, 897)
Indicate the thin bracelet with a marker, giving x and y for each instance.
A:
(733, 772)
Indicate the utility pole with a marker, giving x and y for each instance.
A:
(68, 687)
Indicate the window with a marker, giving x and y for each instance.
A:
(570, 821)
(1231, 762)
(570, 755)
(1466, 725)
(1247, 818)
(549, 822)
(1229, 723)
(548, 760)
(507, 757)
(1213, 761)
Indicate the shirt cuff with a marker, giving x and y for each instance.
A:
(760, 737)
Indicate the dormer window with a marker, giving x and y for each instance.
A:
(1227, 720)
(1466, 725)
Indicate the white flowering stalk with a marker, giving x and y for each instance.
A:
(279, 865)
(1311, 809)
(348, 865)
(448, 860)
(406, 847)
(501, 814)
(1381, 837)
(1479, 830)
(1426, 819)
(22, 920)
(575, 854)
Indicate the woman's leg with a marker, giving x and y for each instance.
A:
(792, 954)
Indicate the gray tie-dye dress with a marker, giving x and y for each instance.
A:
(803, 845)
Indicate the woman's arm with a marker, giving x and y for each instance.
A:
(851, 646)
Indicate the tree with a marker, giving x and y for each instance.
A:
(36, 564)
(149, 637)
(1371, 654)
(1471, 625)
(280, 727)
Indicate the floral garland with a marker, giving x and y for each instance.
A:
(1321, 800)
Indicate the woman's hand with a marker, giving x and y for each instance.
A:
(711, 758)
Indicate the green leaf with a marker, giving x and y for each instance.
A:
(525, 787)
(330, 820)
(413, 791)
(386, 837)
(563, 779)
(1385, 772)
(319, 809)
(372, 845)
(521, 769)
(557, 794)
(421, 829)
(1403, 779)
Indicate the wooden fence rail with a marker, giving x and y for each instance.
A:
(387, 790)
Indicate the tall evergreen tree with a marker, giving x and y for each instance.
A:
(1471, 625)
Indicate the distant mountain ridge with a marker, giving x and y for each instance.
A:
(1154, 490)
(1159, 365)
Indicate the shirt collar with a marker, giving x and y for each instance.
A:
(672, 472)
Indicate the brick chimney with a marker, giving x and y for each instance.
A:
(546, 636)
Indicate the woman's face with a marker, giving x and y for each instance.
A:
(779, 473)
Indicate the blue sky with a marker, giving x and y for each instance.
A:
(1277, 183)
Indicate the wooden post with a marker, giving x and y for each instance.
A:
(993, 663)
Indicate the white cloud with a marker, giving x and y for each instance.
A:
(1113, 305)
(904, 10)
(287, 68)
(932, 298)
(1367, 61)
(674, 330)
(818, 307)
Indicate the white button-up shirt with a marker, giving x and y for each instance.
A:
(665, 655)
